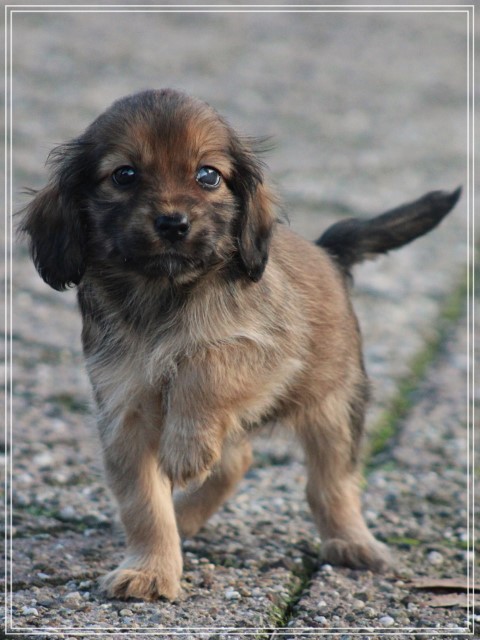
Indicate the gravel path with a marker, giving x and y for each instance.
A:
(368, 110)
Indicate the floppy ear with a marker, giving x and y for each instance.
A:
(256, 215)
(57, 232)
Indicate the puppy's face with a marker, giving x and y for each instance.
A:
(160, 185)
(161, 203)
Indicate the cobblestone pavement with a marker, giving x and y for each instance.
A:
(367, 110)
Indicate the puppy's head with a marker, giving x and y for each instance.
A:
(160, 185)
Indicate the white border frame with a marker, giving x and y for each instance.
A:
(9, 11)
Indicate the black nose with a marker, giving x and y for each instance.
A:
(173, 227)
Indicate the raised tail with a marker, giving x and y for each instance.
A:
(354, 240)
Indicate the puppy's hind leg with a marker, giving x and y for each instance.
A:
(331, 448)
(193, 508)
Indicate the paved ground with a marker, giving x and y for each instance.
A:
(367, 110)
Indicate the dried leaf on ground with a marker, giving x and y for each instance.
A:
(450, 600)
(447, 584)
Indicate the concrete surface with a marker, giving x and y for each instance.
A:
(367, 109)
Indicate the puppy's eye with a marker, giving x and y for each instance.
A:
(124, 176)
(208, 178)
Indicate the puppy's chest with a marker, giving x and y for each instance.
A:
(129, 367)
(133, 364)
(123, 331)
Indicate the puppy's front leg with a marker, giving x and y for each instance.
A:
(201, 413)
(153, 564)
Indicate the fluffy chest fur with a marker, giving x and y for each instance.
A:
(141, 337)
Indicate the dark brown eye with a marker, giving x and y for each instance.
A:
(208, 178)
(124, 176)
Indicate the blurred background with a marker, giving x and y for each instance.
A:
(363, 106)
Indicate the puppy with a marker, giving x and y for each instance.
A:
(203, 318)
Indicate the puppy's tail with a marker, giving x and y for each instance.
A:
(354, 240)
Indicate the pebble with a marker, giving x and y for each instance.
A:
(358, 604)
(29, 611)
(21, 499)
(44, 459)
(73, 595)
(321, 619)
(434, 557)
(67, 513)
(85, 584)
(126, 612)
(386, 621)
(24, 478)
(231, 594)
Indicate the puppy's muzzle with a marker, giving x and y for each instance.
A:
(172, 227)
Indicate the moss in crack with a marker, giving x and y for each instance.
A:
(283, 611)
(387, 426)
(403, 542)
(33, 510)
(461, 545)
(35, 519)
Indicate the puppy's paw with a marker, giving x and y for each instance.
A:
(361, 554)
(142, 584)
(147, 577)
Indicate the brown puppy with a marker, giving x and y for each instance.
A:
(203, 317)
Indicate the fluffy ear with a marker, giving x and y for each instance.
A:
(57, 233)
(256, 215)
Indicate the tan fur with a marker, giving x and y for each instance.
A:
(179, 384)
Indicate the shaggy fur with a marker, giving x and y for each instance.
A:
(203, 317)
